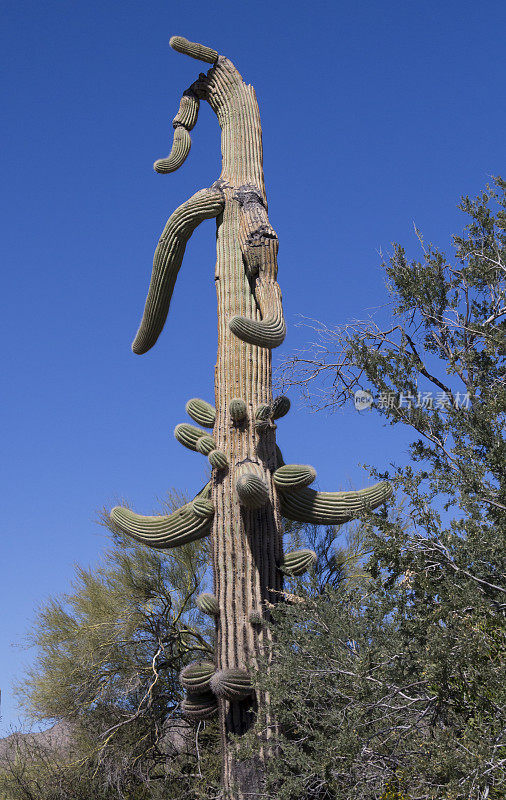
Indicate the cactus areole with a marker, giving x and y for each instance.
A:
(240, 509)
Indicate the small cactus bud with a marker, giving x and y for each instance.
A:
(206, 444)
(298, 561)
(293, 476)
(231, 684)
(250, 486)
(201, 412)
(188, 435)
(217, 459)
(237, 409)
(255, 617)
(198, 707)
(196, 677)
(202, 507)
(280, 406)
(208, 604)
(263, 412)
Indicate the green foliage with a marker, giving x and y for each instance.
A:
(109, 654)
(398, 690)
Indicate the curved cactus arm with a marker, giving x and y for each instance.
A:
(190, 522)
(183, 123)
(259, 247)
(205, 204)
(193, 49)
(332, 508)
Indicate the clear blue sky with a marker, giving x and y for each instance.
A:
(374, 114)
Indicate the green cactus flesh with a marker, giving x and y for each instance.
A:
(298, 561)
(196, 677)
(201, 412)
(190, 522)
(217, 459)
(194, 50)
(206, 445)
(208, 604)
(332, 508)
(251, 488)
(181, 146)
(231, 684)
(237, 409)
(293, 476)
(188, 435)
(167, 261)
(280, 406)
(198, 707)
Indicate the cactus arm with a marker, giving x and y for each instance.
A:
(259, 247)
(183, 123)
(190, 522)
(193, 49)
(205, 204)
(332, 508)
(290, 477)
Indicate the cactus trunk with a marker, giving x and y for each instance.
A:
(250, 486)
(246, 543)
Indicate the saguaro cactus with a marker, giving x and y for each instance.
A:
(241, 507)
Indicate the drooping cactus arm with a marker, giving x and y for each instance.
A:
(205, 204)
(190, 522)
(332, 508)
(183, 123)
(259, 247)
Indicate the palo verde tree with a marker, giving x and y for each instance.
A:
(240, 508)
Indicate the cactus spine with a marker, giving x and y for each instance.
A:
(246, 541)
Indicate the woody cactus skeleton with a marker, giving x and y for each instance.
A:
(241, 507)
